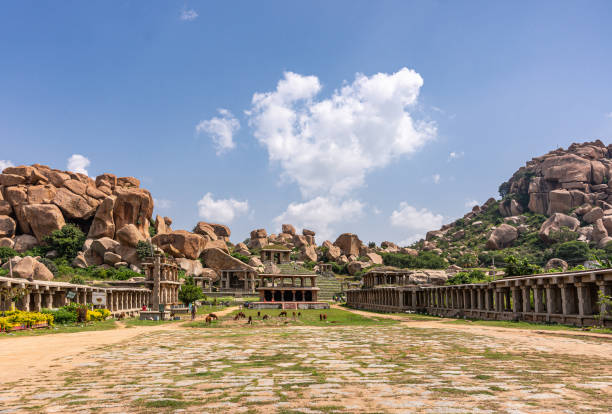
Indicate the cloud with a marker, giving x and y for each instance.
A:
(455, 155)
(189, 15)
(471, 203)
(78, 164)
(609, 115)
(221, 130)
(417, 222)
(376, 210)
(329, 145)
(162, 203)
(5, 164)
(223, 211)
(319, 214)
(436, 178)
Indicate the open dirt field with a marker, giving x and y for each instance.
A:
(403, 367)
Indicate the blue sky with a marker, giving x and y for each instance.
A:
(373, 99)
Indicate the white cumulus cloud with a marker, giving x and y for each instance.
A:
(5, 164)
(189, 15)
(436, 178)
(329, 145)
(162, 203)
(455, 155)
(319, 214)
(416, 222)
(222, 210)
(221, 130)
(78, 164)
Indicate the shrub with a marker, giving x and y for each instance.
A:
(144, 249)
(339, 269)
(562, 235)
(242, 258)
(425, 260)
(573, 252)
(475, 276)
(62, 315)
(67, 241)
(467, 260)
(77, 280)
(14, 318)
(309, 264)
(519, 267)
(371, 245)
(6, 253)
(189, 292)
(152, 231)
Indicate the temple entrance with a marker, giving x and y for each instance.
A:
(308, 296)
(267, 295)
(299, 297)
(278, 296)
(288, 296)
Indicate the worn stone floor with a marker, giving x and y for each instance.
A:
(355, 369)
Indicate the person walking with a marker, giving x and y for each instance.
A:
(193, 311)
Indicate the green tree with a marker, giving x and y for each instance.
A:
(573, 252)
(144, 249)
(504, 189)
(189, 292)
(519, 267)
(6, 253)
(67, 241)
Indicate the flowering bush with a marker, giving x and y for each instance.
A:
(70, 314)
(12, 319)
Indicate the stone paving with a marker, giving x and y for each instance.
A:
(354, 369)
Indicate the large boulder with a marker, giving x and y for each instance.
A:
(349, 244)
(29, 268)
(554, 223)
(307, 232)
(599, 232)
(133, 206)
(566, 168)
(180, 243)
(308, 253)
(191, 267)
(103, 245)
(43, 219)
(333, 253)
(356, 266)
(555, 263)
(25, 242)
(5, 208)
(41, 194)
(559, 201)
(219, 244)
(6, 242)
(218, 260)
(103, 224)
(289, 229)
(258, 243)
(503, 236)
(593, 215)
(205, 229)
(160, 225)
(73, 206)
(129, 235)
(7, 226)
(128, 255)
(222, 231)
(375, 258)
(259, 234)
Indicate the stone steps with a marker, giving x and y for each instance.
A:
(329, 287)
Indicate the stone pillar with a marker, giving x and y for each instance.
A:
(48, 300)
(24, 303)
(526, 301)
(585, 304)
(606, 289)
(517, 300)
(36, 307)
(537, 300)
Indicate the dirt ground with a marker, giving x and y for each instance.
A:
(411, 366)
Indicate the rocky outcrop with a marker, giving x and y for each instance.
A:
(206, 230)
(29, 268)
(191, 267)
(133, 206)
(555, 223)
(556, 264)
(129, 235)
(288, 229)
(180, 243)
(349, 244)
(503, 236)
(219, 260)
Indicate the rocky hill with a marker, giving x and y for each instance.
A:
(559, 205)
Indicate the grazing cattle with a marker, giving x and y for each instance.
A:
(265, 317)
(208, 320)
(258, 314)
(299, 314)
(237, 317)
(250, 322)
(293, 315)
(213, 316)
(283, 313)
